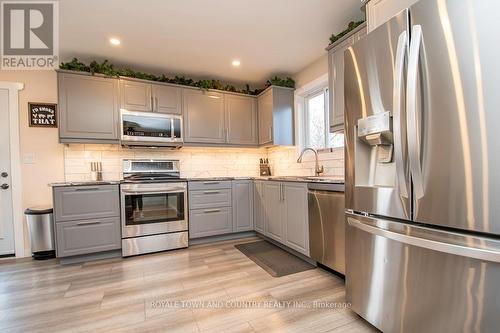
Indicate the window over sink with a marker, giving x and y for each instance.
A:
(316, 129)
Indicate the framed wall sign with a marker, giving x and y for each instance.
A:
(42, 114)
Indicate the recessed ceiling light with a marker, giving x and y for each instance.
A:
(114, 41)
(236, 63)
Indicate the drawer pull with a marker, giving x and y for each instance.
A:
(210, 183)
(211, 210)
(211, 192)
(87, 189)
(88, 223)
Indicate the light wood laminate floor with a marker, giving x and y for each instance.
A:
(206, 288)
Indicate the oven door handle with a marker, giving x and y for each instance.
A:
(175, 190)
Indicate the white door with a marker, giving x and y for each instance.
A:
(6, 217)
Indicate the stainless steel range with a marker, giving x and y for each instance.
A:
(154, 207)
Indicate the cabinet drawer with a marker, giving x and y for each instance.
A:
(209, 184)
(209, 198)
(86, 202)
(210, 222)
(88, 236)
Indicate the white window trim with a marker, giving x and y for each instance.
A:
(300, 108)
(15, 163)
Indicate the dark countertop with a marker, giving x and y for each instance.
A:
(85, 183)
(300, 179)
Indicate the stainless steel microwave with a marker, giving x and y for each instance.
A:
(151, 129)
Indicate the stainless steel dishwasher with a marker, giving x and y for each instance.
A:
(327, 225)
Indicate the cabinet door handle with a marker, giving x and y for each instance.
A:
(271, 133)
(211, 210)
(157, 107)
(210, 183)
(152, 103)
(210, 192)
(88, 223)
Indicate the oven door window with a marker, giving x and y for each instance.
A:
(154, 208)
(147, 126)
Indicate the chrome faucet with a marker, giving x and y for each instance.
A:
(319, 168)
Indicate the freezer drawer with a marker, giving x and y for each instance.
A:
(405, 278)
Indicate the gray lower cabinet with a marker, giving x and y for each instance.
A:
(88, 109)
(296, 217)
(273, 211)
(241, 119)
(203, 116)
(85, 202)
(88, 236)
(243, 211)
(210, 222)
(258, 202)
(87, 219)
(285, 214)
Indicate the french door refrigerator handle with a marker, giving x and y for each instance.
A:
(455, 249)
(411, 117)
(396, 101)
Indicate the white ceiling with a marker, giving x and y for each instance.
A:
(200, 38)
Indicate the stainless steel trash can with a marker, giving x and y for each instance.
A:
(40, 222)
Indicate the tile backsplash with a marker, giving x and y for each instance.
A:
(199, 162)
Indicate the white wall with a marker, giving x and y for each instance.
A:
(312, 71)
(48, 166)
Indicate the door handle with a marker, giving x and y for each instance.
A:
(465, 250)
(4, 186)
(398, 135)
(4, 174)
(411, 118)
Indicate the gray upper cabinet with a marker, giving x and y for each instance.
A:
(167, 99)
(88, 108)
(275, 108)
(258, 203)
(243, 210)
(203, 116)
(273, 211)
(265, 106)
(296, 217)
(241, 119)
(136, 96)
(149, 97)
(336, 77)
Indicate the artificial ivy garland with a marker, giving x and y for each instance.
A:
(108, 69)
(350, 27)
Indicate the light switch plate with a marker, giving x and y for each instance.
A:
(29, 158)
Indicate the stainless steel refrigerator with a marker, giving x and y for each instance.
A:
(422, 102)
